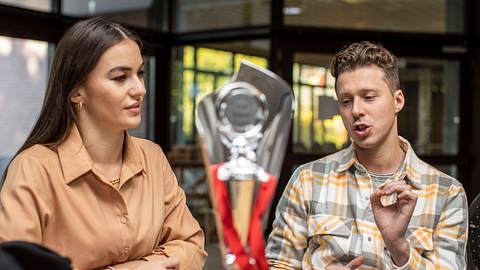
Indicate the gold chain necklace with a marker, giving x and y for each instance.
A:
(114, 181)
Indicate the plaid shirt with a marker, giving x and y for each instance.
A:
(325, 216)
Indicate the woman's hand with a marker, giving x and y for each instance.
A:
(170, 263)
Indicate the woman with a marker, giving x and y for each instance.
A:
(80, 184)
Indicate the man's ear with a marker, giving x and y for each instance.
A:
(399, 100)
(77, 95)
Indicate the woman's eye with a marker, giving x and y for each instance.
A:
(120, 78)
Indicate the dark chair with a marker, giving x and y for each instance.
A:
(19, 255)
(473, 245)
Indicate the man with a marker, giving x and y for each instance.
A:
(374, 205)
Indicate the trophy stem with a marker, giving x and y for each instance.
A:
(242, 203)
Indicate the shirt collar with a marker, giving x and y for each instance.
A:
(75, 160)
(412, 166)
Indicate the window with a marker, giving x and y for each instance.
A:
(23, 79)
(193, 15)
(317, 125)
(430, 16)
(429, 120)
(147, 126)
(197, 72)
(40, 5)
(141, 13)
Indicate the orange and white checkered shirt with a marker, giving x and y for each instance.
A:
(325, 216)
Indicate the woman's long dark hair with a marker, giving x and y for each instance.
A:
(76, 56)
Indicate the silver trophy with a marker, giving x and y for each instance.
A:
(244, 127)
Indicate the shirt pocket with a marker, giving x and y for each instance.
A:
(420, 238)
(329, 237)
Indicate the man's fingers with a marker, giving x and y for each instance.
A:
(355, 263)
(375, 199)
(407, 195)
(397, 188)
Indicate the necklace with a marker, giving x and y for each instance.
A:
(115, 181)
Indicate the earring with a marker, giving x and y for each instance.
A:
(79, 106)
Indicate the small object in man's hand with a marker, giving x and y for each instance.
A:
(388, 200)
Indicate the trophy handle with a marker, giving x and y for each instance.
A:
(242, 203)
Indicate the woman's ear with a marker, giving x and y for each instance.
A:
(399, 100)
(77, 95)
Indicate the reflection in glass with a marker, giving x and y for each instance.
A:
(431, 16)
(194, 15)
(23, 79)
(317, 128)
(40, 5)
(429, 120)
(147, 126)
(430, 117)
(197, 72)
(141, 13)
(451, 170)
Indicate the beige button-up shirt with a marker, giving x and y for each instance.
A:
(55, 197)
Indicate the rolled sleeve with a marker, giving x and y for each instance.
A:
(288, 240)
(449, 239)
(181, 235)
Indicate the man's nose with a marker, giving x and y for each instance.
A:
(357, 108)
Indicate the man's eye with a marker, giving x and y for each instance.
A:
(141, 73)
(345, 101)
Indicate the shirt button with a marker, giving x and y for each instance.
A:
(124, 220)
(125, 250)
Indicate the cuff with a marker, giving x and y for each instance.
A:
(414, 259)
(189, 259)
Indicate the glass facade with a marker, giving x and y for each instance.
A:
(429, 16)
(147, 126)
(40, 5)
(429, 120)
(194, 15)
(317, 126)
(197, 72)
(149, 14)
(23, 80)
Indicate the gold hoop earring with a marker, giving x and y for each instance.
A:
(79, 106)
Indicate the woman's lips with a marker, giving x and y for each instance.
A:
(134, 109)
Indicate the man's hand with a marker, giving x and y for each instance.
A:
(393, 220)
(353, 264)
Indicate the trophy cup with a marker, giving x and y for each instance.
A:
(244, 129)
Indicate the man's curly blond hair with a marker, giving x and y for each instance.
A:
(365, 53)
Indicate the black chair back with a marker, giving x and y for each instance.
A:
(473, 245)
